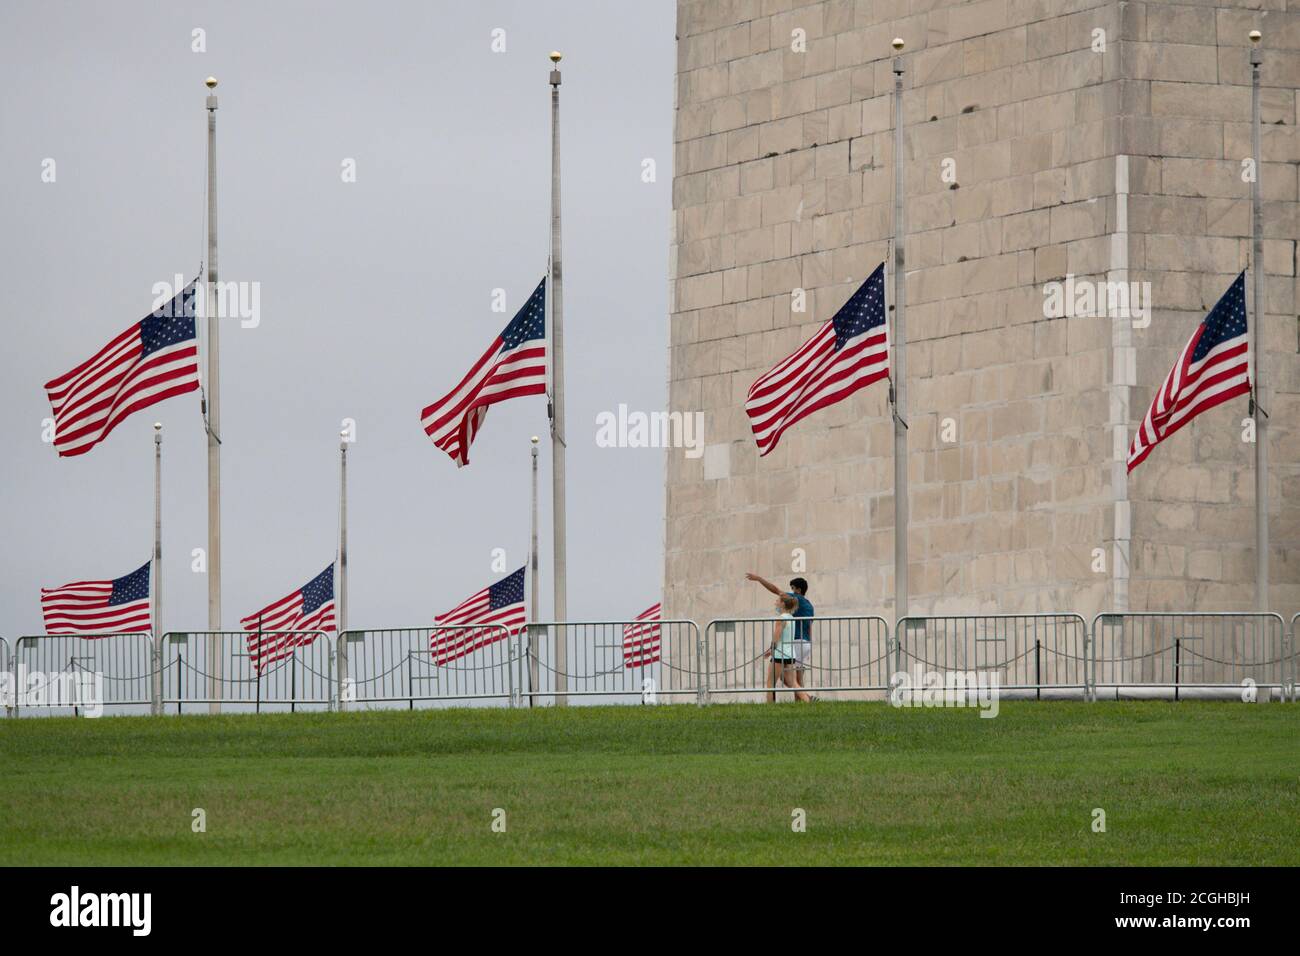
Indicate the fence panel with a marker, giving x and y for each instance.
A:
(846, 656)
(1293, 637)
(1035, 653)
(81, 671)
(6, 667)
(295, 671)
(1167, 654)
(627, 662)
(398, 667)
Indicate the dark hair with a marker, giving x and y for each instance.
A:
(788, 602)
(799, 585)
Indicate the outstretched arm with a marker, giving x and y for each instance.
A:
(751, 576)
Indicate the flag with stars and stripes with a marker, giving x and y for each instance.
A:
(848, 353)
(1213, 367)
(500, 604)
(641, 638)
(513, 365)
(278, 628)
(153, 360)
(119, 606)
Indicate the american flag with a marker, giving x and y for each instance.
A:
(502, 603)
(153, 360)
(513, 365)
(120, 606)
(848, 353)
(641, 639)
(310, 608)
(1212, 368)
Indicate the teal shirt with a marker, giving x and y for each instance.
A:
(803, 628)
(785, 647)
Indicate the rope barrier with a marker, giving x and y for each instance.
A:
(225, 680)
(457, 669)
(676, 670)
(266, 675)
(424, 648)
(850, 667)
(312, 671)
(1136, 657)
(1069, 657)
(542, 665)
(1233, 664)
(733, 652)
(986, 665)
(820, 668)
(370, 680)
(117, 680)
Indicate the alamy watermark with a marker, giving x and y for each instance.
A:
(75, 908)
(230, 300)
(81, 689)
(1089, 298)
(629, 429)
(946, 689)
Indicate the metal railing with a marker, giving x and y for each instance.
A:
(293, 670)
(6, 667)
(405, 666)
(846, 656)
(1027, 652)
(80, 670)
(1166, 654)
(1043, 655)
(1294, 656)
(621, 661)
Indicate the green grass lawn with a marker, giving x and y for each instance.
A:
(1186, 783)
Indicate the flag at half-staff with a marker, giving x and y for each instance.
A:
(499, 608)
(275, 630)
(513, 365)
(153, 360)
(641, 638)
(848, 353)
(118, 606)
(1213, 367)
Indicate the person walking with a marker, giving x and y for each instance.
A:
(782, 664)
(804, 614)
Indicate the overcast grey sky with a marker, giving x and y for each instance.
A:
(375, 295)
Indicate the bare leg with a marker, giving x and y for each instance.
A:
(791, 679)
(800, 673)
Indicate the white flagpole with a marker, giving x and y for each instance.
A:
(212, 394)
(900, 354)
(341, 572)
(1257, 339)
(158, 631)
(558, 521)
(533, 610)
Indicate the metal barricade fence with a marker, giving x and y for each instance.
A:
(403, 666)
(1161, 654)
(253, 670)
(846, 656)
(1032, 652)
(6, 667)
(1294, 638)
(1046, 654)
(80, 671)
(619, 661)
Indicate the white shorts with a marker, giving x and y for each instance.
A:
(802, 652)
